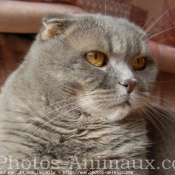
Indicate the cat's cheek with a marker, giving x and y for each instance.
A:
(123, 111)
(138, 102)
(101, 112)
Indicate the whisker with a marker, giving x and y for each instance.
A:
(52, 105)
(159, 33)
(166, 96)
(144, 26)
(147, 113)
(171, 117)
(68, 112)
(160, 25)
(55, 103)
(148, 21)
(40, 127)
(49, 112)
(162, 117)
(162, 81)
(42, 117)
(78, 106)
(159, 41)
(167, 92)
(158, 19)
(163, 100)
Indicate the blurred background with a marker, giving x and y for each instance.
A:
(20, 20)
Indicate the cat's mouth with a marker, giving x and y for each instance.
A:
(126, 100)
(127, 103)
(134, 101)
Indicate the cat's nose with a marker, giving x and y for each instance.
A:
(130, 84)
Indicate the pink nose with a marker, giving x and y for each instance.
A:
(130, 84)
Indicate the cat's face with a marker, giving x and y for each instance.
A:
(105, 59)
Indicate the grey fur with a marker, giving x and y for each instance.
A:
(99, 124)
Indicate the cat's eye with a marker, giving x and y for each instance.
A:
(95, 58)
(139, 63)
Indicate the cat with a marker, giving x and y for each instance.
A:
(78, 101)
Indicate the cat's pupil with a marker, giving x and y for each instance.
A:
(95, 55)
(138, 61)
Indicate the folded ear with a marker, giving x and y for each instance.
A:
(55, 24)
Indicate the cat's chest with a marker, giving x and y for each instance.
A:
(97, 142)
(91, 138)
(94, 139)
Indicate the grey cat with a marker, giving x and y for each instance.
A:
(78, 101)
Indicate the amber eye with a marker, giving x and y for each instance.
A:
(95, 58)
(139, 63)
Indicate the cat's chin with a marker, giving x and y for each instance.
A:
(111, 110)
(120, 112)
(125, 108)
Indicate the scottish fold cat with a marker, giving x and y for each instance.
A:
(78, 103)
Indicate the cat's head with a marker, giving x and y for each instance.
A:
(105, 59)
